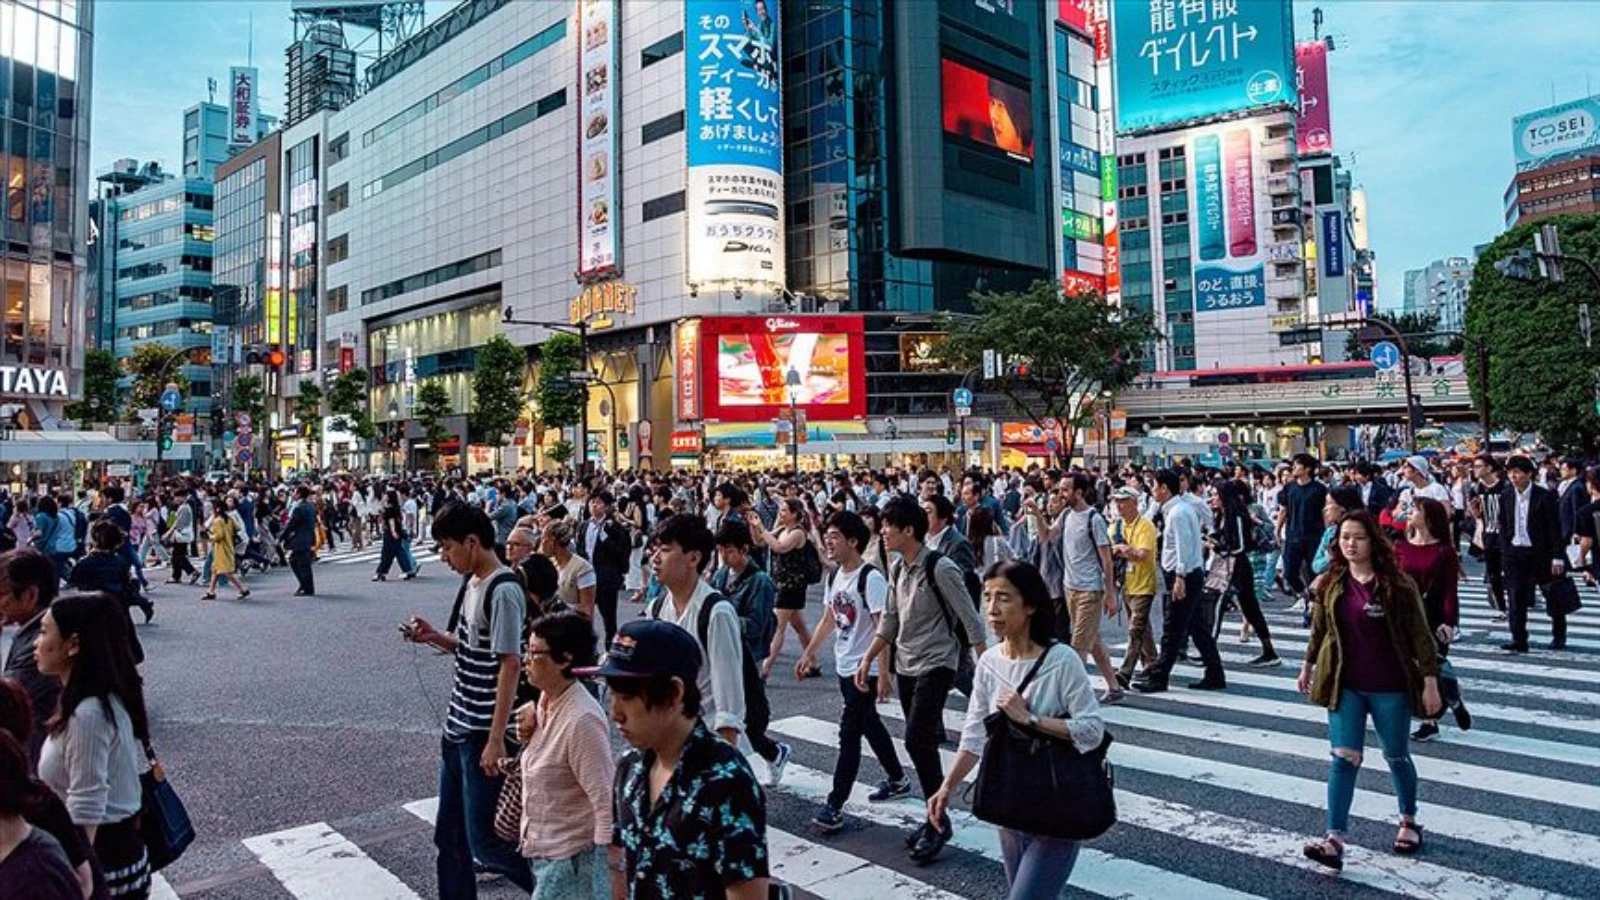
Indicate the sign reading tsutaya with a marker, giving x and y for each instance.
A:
(734, 142)
(598, 225)
(32, 381)
(242, 106)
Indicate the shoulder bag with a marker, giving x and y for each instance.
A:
(1037, 783)
(163, 822)
(1561, 597)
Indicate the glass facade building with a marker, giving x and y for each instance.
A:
(45, 61)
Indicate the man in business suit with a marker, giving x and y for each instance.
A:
(1531, 550)
(1573, 495)
(298, 537)
(606, 544)
(944, 537)
(1375, 492)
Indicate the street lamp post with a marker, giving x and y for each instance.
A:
(394, 441)
(581, 329)
(793, 381)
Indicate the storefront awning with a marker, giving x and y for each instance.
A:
(74, 446)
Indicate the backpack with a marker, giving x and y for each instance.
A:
(758, 643)
(757, 711)
(526, 693)
(80, 528)
(965, 667)
(1263, 533)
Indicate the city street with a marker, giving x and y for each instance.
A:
(303, 735)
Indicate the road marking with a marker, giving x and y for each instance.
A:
(426, 810)
(836, 875)
(161, 889)
(315, 862)
(1498, 663)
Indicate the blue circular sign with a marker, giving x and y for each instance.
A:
(1385, 355)
(170, 400)
(962, 397)
(243, 456)
(227, 437)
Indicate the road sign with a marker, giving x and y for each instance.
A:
(1385, 355)
(963, 411)
(962, 397)
(1051, 424)
(228, 436)
(605, 409)
(170, 399)
(149, 416)
(1051, 445)
(243, 440)
(1225, 450)
(243, 457)
(243, 419)
(1224, 438)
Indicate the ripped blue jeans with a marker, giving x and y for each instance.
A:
(1347, 731)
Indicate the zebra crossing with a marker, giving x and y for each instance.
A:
(370, 554)
(1216, 792)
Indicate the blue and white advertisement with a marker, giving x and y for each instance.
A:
(1333, 243)
(734, 142)
(1545, 134)
(1182, 60)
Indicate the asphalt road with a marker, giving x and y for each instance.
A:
(277, 714)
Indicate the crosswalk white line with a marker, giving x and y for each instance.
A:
(161, 889)
(1496, 662)
(315, 862)
(836, 875)
(1382, 871)
(1097, 872)
(1556, 844)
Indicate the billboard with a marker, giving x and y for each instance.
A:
(686, 350)
(1181, 60)
(1075, 14)
(983, 109)
(1228, 228)
(1545, 134)
(243, 106)
(598, 212)
(746, 360)
(1099, 25)
(1313, 124)
(1333, 243)
(734, 142)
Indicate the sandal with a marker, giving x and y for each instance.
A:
(1327, 852)
(1402, 845)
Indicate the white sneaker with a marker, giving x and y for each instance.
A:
(1298, 607)
(776, 767)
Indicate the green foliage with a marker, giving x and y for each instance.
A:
(247, 396)
(100, 374)
(152, 367)
(497, 399)
(1541, 376)
(560, 404)
(1409, 324)
(308, 411)
(561, 452)
(433, 404)
(348, 400)
(1075, 347)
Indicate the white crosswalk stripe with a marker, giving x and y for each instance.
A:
(315, 862)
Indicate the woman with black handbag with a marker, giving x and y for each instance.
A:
(1025, 686)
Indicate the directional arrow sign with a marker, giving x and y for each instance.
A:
(962, 397)
(1385, 355)
(170, 400)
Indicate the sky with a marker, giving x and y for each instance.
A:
(1423, 92)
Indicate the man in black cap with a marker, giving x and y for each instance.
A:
(690, 816)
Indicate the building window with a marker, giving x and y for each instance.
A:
(339, 148)
(494, 130)
(660, 50)
(432, 277)
(660, 128)
(664, 206)
(338, 300)
(338, 248)
(338, 198)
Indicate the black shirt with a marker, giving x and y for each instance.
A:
(1303, 506)
(708, 829)
(38, 870)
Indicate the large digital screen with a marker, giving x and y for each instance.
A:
(746, 361)
(1180, 61)
(986, 110)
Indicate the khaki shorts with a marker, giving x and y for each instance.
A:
(1085, 609)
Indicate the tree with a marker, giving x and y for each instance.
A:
(1541, 376)
(100, 374)
(1413, 325)
(348, 401)
(153, 367)
(560, 401)
(497, 401)
(1058, 350)
(433, 404)
(561, 452)
(308, 413)
(248, 397)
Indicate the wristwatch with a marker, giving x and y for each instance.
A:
(1033, 720)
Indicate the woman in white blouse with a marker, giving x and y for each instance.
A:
(1059, 702)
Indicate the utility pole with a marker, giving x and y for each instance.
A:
(1413, 403)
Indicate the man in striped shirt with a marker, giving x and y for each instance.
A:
(485, 635)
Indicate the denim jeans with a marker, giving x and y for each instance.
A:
(408, 562)
(1036, 866)
(581, 877)
(464, 828)
(859, 719)
(1347, 730)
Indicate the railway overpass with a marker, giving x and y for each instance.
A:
(1444, 397)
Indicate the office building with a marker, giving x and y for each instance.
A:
(208, 140)
(247, 277)
(1446, 284)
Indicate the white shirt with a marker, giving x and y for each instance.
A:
(94, 765)
(853, 616)
(1519, 518)
(721, 678)
(1061, 690)
(934, 537)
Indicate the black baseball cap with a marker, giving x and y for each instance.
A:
(645, 648)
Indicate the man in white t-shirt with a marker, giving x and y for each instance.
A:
(854, 604)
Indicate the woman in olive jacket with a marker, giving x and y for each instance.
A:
(1370, 653)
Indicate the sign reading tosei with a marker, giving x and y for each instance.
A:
(733, 142)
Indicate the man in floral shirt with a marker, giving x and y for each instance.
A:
(690, 817)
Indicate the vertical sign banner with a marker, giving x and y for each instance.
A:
(734, 142)
(243, 106)
(1226, 222)
(220, 343)
(1181, 60)
(1075, 14)
(1333, 243)
(687, 351)
(1099, 28)
(1314, 124)
(599, 225)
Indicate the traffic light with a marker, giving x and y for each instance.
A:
(1518, 266)
(274, 358)
(253, 356)
(950, 435)
(164, 423)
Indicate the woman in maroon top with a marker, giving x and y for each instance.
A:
(1428, 556)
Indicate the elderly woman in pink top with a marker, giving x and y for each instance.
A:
(566, 765)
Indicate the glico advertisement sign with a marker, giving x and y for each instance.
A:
(598, 225)
(734, 142)
(1554, 131)
(1178, 61)
(1314, 125)
(746, 361)
(1230, 220)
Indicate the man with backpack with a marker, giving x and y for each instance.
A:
(930, 628)
(1090, 587)
(754, 597)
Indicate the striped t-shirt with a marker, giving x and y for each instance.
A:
(485, 634)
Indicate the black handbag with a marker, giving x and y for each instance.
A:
(163, 822)
(1033, 782)
(1561, 597)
